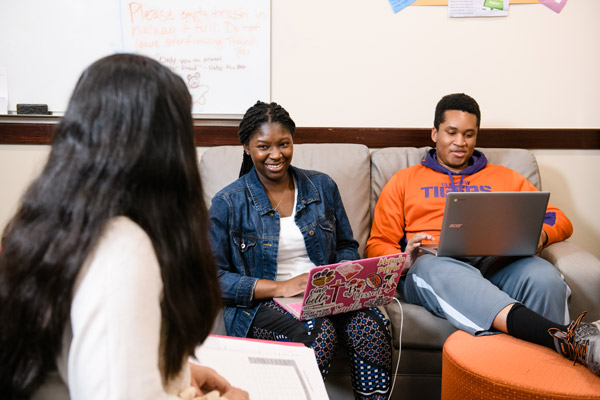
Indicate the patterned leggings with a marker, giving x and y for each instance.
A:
(364, 333)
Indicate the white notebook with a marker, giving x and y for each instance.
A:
(267, 370)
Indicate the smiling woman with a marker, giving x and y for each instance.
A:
(271, 149)
(271, 226)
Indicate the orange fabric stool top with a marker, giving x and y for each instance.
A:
(502, 367)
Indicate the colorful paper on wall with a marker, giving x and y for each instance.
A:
(445, 2)
(430, 3)
(477, 8)
(495, 4)
(398, 5)
(554, 5)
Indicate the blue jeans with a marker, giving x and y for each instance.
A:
(470, 296)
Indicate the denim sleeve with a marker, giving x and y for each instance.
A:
(237, 289)
(346, 246)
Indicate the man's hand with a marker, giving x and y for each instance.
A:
(412, 247)
(206, 379)
(542, 242)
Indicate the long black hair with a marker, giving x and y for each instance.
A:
(123, 148)
(257, 115)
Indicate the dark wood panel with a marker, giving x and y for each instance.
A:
(15, 132)
(26, 133)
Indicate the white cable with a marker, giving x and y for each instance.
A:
(399, 347)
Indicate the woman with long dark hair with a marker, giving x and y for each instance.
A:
(106, 276)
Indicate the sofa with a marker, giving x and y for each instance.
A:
(361, 173)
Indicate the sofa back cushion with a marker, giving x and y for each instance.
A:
(348, 165)
(387, 161)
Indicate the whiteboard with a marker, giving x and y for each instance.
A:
(221, 48)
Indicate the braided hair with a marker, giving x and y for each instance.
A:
(255, 117)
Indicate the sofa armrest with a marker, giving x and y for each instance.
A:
(582, 273)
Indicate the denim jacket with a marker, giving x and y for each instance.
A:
(244, 230)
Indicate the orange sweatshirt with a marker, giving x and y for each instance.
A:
(414, 198)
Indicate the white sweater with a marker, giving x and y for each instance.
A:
(111, 348)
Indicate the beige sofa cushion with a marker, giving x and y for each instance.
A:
(348, 164)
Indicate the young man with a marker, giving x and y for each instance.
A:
(525, 297)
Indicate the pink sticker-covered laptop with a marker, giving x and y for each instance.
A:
(348, 286)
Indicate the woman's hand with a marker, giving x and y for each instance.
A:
(266, 289)
(294, 286)
(206, 379)
(412, 247)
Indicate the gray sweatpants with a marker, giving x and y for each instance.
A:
(470, 293)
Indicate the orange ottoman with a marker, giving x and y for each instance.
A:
(502, 367)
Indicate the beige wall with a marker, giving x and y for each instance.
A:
(571, 176)
(19, 165)
(356, 63)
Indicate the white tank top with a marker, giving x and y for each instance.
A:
(292, 257)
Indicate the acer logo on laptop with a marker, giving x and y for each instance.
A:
(455, 225)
